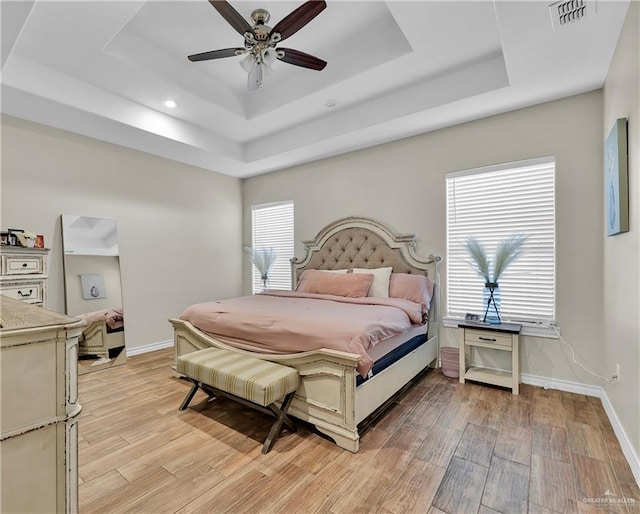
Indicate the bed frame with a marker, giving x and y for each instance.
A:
(96, 340)
(327, 396)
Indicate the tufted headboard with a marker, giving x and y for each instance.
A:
(357, 242)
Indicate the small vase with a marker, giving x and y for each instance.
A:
(491, 303)
(265, 283)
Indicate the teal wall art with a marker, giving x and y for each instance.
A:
(616, 179)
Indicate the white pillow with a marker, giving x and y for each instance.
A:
(381, 277)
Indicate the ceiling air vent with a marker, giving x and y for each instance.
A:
(569, 11)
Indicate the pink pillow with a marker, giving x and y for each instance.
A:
(352, 285)
(417, 288)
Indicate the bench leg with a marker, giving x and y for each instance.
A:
(189, 396)
(287, 420)
(281, 418)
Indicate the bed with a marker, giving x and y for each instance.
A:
(104, 331)
(333, 394)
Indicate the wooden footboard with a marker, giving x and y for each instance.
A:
(97, 340)
(327, 396)
(93, 340)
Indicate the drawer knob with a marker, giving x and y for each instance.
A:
(24, 264)
(26, 295)
(487, 339)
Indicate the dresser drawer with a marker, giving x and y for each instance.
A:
(23, 265)
(486, 337)
(29, 292)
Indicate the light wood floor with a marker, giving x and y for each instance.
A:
(442, 447)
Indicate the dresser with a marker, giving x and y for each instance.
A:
(23, 274)
(39, 398)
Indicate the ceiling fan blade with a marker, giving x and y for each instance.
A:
(297, 19)
(233, 17)
(215, 54)
(298, 58)
(255, 77)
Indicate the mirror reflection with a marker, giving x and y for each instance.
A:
(93, 289)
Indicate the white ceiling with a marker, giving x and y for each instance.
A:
(84, 235)
(396, 68)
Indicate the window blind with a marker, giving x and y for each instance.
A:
(272, 227)
(491, 204)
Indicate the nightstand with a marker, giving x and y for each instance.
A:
(503, 337)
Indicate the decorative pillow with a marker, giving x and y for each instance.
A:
(304, 274)
(417, 288)
(381, 277)
(338, 284)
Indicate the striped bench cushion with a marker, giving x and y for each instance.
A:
(256, 380)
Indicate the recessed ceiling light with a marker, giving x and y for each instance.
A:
(170, 104)
(330, 103)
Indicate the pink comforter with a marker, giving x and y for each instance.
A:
(289, 322)
(114, 317)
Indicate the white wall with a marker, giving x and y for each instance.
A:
(621, 310)
(403, 184)
(179, 227)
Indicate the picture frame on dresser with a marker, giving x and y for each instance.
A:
(15, 238)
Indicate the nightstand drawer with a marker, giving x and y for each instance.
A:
(22, 265)
(487, 337)
(28, 292)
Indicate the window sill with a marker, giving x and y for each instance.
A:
(528, 329)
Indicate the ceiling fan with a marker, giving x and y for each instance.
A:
(260, 40)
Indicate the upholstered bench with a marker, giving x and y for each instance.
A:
(253, 382)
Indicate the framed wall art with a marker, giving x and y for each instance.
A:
(616, 179)
(92, 287)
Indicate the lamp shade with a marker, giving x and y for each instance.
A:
(247, 62)
(269, 56)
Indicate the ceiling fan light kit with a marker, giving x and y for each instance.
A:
(260, 40)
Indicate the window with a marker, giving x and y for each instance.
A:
(491, 204)
(272, 227)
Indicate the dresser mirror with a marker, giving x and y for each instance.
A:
(93, 289)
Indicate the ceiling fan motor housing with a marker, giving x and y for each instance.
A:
(261, 32)
(260, 16)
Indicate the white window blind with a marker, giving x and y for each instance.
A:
(491, 204)
(272, 227)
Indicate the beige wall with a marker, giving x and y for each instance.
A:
(622, 252)
(107, 266)
(179, 227)
(403, 184)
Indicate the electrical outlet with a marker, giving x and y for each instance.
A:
(618, 373)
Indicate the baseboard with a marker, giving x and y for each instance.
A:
(561, 385)
(138, 350)
(599, 392)
(625, 443)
